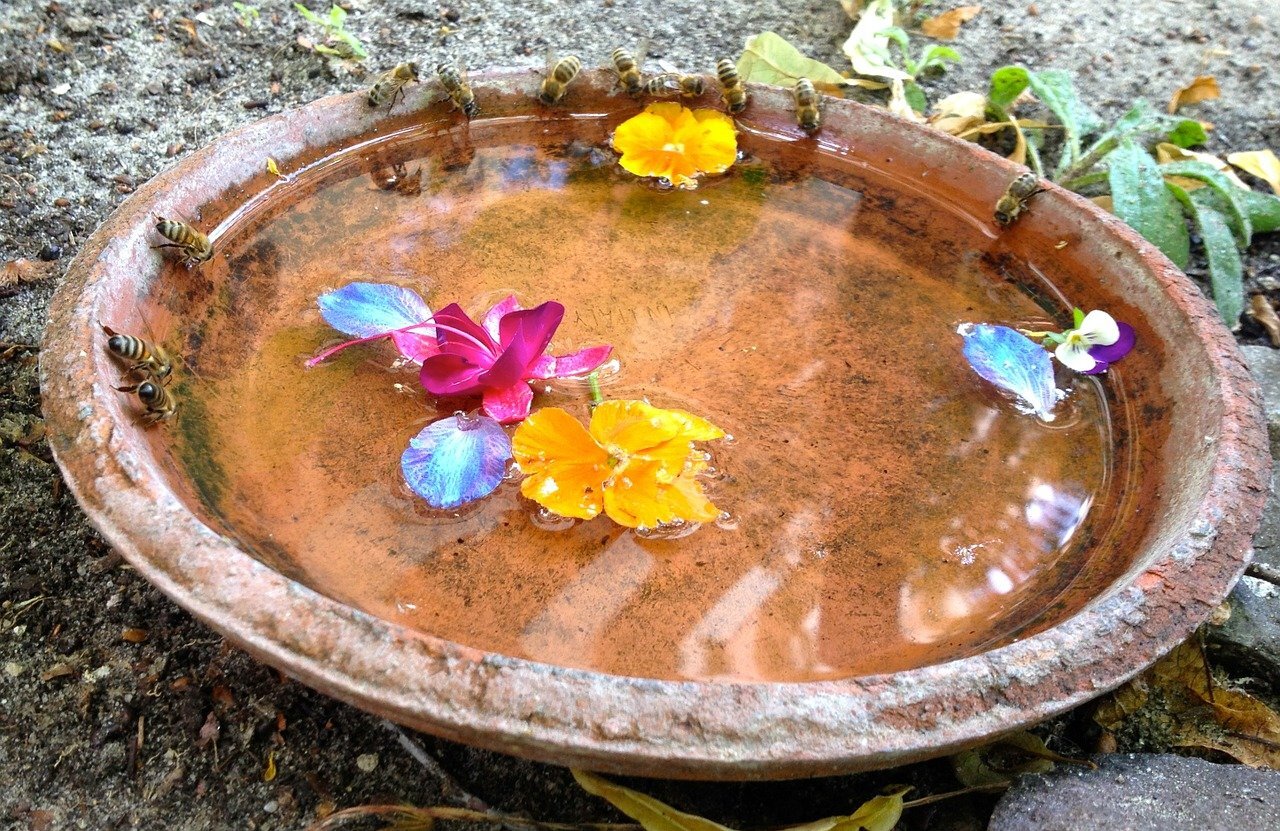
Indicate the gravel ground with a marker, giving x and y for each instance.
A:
(176, 730)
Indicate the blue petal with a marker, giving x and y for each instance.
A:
(456, 459)
(1014, 363)
(363, 310)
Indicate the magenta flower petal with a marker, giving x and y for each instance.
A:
(525, 335)
(508, 405)
(494, 316)
(1113, 352)
(446, 374)
(575, 363)
(473, 344)
(414, 346)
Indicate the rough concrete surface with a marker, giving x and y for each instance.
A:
(1143, 792)
(176, 731)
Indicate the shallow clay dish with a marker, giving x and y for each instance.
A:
(1191, 433)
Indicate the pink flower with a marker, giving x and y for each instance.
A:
(498, 358)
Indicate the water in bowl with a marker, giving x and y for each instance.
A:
(886, 509)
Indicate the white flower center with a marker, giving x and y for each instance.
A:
(673, 147)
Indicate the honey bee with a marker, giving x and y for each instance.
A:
(455, 83)
(152, 360)
(397, 178)
(559, 76)
(1014, 200)
(627, 67)
(671, 83)
(735, 94)
(194, 245)
(159, 403)
(808, 114)
(390, 85)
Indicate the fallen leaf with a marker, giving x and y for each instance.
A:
(999, 762)
(1260, 163)
(770, 59)
(959, 112)
(1167, 152)
(880, 813)
(209, 730)
(1261, 310)
(868, 50)
(59, 670)
(20, 271)
(222, 695)
(1203, 88)
(649, 812)
(272, 167)
(898, 102)
(134, 635)
(947, 25)
(270, 772)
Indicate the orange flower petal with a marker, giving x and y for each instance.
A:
(565, 469)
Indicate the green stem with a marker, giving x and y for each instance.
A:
(1089, 159)
(1085, 181)
(597, 397)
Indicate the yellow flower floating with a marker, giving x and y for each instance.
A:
(671, 141)
(637, 463)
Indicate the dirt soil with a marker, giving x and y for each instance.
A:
(117, 710)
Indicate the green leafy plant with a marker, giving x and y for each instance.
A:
(932, 58)
(1155, 199)
(246, 14)
(339, 43)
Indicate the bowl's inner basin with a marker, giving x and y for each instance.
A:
(886, 509)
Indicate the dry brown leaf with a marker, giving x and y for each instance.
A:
(1261, 310)
(270, 772)
(1203, 88)
(20, 271)
(947, 25)
(1166, 152)
(853, 8)
(1260, 163)
(959, 112)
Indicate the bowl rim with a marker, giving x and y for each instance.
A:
(672, 729)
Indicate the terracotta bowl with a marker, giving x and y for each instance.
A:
(1201, 450)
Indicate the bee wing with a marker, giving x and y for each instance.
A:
(551, 59)
(668, 67)
(642, 51)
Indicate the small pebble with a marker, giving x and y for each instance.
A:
(367, 762)
(50, 253)
(61, 202)
(14, 670)
(78, 25)
(271, 807)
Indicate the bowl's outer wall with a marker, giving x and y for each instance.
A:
(1204, 487)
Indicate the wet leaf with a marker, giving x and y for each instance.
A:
(880, 813)
(868, 47)
(959, 112)
(1202, 88)
(1141, 200)
(269, 773)
(1260, 163)
(947, 25)
(1124, 702)
(1237, 214)
(1261, 310)
(649, 812)
(769, 59)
